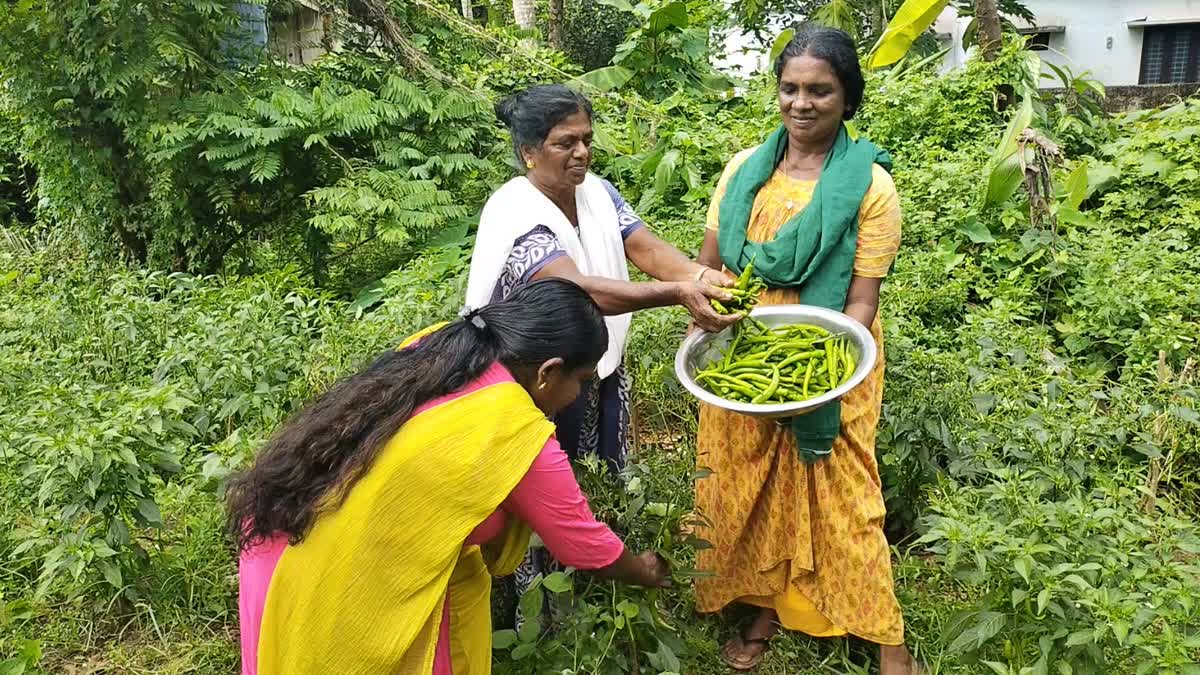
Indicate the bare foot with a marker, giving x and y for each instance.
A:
(745, 651)
(896, 660)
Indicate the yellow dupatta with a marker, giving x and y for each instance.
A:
(363, 592)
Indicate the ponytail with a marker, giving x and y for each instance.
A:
(313, 461)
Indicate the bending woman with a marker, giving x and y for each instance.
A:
(796, 509)
(370, 525)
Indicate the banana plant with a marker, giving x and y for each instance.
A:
(912, 19)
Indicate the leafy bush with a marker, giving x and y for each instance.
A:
(87, 83)
(601, 626)
(592, 30)
(668, 49)
(177, 157)
(920, 111)
(1147, 179)
(1075, 579)
(124, 384)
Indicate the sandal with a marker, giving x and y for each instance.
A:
(752, 663)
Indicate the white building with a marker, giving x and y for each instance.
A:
(1120, 43)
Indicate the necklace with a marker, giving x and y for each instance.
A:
(794, 170)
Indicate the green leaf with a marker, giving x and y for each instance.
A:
(557, 583)
(368, 297)
(523, 650)
(1185, 414)
(1100, 175)
(781, 43)
(1079, 637)
(31, 651)
(1017, 124)
(1043, 599)
(1062, 75)
(667, 659)
(1077, 185)
(953, 261)
(970, 34)
(503, 639)
(14, 666)
(976, 231)
(664, 173)
(603, 138)
(671, 15)
(532, 603)
(839, 14)
(1121, 630)
(1154, 163)
(149, 512)
(1019, 595)
(912, 19)
(531, 629)
(1079, 581)
(988, 625)
(604, 79)
(112, 573)
(1074, 217)
(1003, 180)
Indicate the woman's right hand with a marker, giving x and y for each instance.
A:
(656, 572)
(697, 297)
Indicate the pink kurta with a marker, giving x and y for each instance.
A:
(548, 499)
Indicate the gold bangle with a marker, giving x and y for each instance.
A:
(700, 275)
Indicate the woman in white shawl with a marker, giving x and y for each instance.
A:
(559, 220)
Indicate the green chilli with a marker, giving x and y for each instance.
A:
(780, 364)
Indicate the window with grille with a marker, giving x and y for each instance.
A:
(1170, 54)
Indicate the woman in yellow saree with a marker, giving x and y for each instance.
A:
(370, 525)
(796, 509)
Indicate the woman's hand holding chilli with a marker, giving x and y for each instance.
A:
(697, 298)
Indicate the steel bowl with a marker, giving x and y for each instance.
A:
(700, 349)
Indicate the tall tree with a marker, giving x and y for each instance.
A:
(556, 24)
(525, 13)
(988, 20)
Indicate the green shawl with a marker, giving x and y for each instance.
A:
(813, 252)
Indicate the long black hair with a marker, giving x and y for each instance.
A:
(532, 113)
(313, 461)
(834, 47)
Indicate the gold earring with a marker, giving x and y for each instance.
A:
(542, 385)
(529, 164)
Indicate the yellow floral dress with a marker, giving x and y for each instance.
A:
(804, 539)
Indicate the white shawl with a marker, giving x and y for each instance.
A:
(597, 249)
